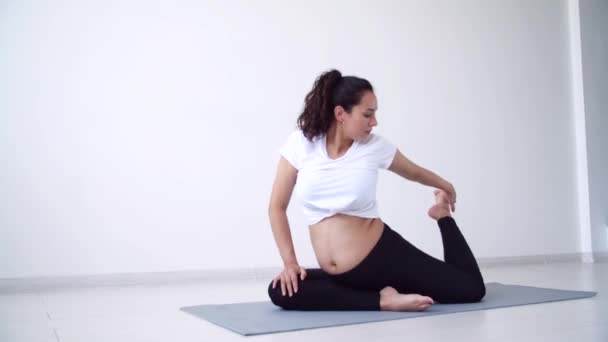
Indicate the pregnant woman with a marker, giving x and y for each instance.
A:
(332, 162)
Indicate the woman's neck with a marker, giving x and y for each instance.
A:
(337, 142)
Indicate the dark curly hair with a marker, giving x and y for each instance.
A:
(330, 89)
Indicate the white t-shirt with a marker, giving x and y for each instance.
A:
(346, 185)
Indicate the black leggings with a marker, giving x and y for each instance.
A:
(392, 262)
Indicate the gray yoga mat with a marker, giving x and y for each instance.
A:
(255, 318)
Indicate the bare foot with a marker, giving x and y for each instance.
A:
(441, 197)
(441, 207)
(391, 300)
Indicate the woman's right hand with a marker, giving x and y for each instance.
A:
(289, 278)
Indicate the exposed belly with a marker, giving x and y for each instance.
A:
(341, 242)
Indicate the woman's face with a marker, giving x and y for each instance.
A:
(362, 118)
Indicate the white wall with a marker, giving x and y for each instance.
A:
(594, 48)
(141, 136)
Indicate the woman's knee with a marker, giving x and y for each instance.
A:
(481, 292)
(472, 293)
(276, 296)
(272, 293)
(476, 293)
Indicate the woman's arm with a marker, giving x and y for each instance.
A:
(409, 170)
(277, 211)
(282, 189)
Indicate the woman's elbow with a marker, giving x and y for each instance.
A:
(274, 209)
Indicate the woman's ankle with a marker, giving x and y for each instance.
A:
(439, 211)
(446, 221)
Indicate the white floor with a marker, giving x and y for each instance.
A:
(151, 313)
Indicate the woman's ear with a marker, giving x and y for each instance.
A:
(339, 113)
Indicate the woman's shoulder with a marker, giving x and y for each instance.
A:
(296, 134)
(297, 137)
(374, 139)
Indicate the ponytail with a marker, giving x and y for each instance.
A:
(329, 90)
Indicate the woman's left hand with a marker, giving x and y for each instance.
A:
(451, 192)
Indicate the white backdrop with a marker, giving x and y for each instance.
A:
(142, 136)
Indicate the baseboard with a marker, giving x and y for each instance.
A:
(36, 284)
(600, 256)
(533, 259)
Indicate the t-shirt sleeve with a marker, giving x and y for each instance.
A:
(384, 151)
(291, 149)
